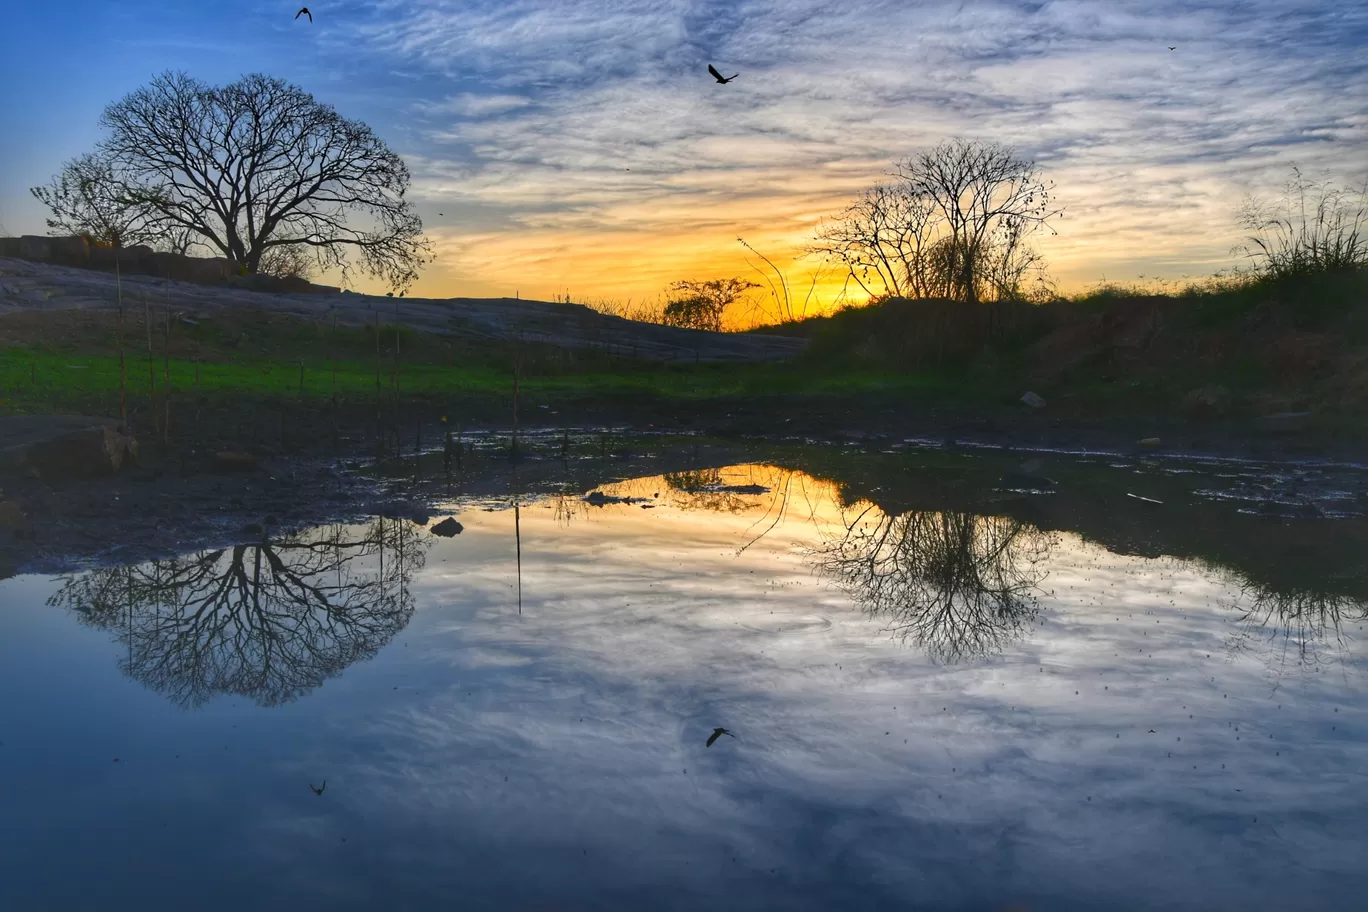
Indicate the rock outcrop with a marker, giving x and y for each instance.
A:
(65, 446)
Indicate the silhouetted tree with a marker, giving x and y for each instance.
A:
(954, 224)
(251, 166)
(270, 620)
(958, 585)
(701, 305)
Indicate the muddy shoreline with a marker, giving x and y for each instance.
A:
(303, 464)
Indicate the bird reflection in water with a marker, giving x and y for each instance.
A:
(270, 620)
(958, 585)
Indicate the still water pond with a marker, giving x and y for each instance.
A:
(941, 709)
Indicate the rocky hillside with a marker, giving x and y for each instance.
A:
(28, 285)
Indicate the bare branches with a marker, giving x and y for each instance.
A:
(268, 620)
(260, 164)
(1303, 627)
(954, 225)
(958, 585)
(85, 201)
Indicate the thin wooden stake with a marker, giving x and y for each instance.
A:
(514, 451)
(123, 374)
(151, 365)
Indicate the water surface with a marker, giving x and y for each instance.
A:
(967, 707)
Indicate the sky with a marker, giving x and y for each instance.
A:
(520, 119)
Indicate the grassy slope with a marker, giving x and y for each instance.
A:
(895, 351)
(1267, 345)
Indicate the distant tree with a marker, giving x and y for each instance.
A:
(954, 224)
(1314, 228)
(292, 261)
(256, 165)
(700, 305)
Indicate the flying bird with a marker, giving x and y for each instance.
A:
(304, 11)
(1173, 47)
(319, 790)
(717, 733)
(719, 77)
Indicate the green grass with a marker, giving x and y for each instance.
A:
(32, 376)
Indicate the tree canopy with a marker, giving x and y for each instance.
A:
(701, 304)
(953, 224)
(243, 169)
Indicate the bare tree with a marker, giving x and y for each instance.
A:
(954, 224)
(288, 261)
(269, 620)
(959, 585)
(260, 164)
(85, 200)
(1299, 624)
(1315, 227)
(883, 241)
(701, 305)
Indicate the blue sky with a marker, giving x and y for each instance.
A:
(520, 119)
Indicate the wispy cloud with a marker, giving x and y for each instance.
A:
(590, 127)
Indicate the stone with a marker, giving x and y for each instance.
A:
(84, 453)
(1285, 422)
(10, 514)
(1033, 400)
(1207, 401)
(447, 528)
(71, 250)
(1149, 443)
(1019, 481)
(414, 513)
(33, 247)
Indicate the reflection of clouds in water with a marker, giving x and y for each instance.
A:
(270, 620)
(521, 760)
(1033, 776)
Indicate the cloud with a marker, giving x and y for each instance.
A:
(531, 112)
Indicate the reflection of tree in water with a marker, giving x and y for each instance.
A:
(958, 585)
(270, 620)
(707, 489)
(1302, 624)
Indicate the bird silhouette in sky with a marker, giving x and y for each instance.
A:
(1173, 47)
(719, 77)
(717, 733)
(319, 790)
(304, 11)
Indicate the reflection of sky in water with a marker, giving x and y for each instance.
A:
(555, 760)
